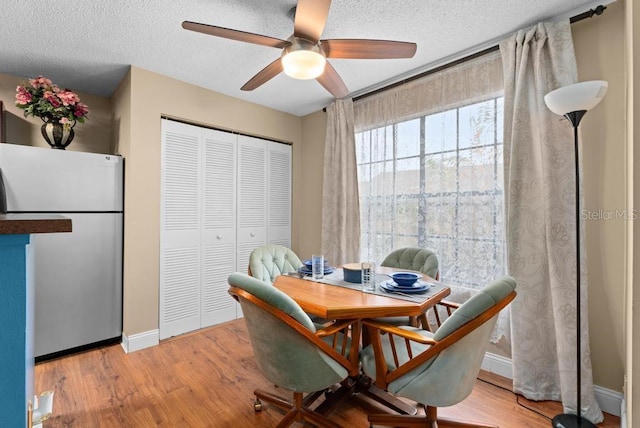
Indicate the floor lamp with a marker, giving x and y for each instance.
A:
(573, 102)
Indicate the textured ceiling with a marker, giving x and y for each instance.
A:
(89, 45)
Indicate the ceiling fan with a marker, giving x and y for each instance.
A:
(304, 54)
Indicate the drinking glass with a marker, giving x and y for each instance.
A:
(368, 277)
(317, 266)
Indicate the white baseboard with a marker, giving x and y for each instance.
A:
(496, 364)
(139, 341)
(610, 401)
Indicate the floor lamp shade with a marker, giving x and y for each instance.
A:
(572, 102)
(579, 96)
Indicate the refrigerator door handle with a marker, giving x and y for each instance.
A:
(3, 196)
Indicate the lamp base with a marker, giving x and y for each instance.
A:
(570, 421)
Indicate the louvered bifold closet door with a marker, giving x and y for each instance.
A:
(252, 191)
(279, 194)
(219, 225)
(180, 252)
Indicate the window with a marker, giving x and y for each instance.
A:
(435, 181)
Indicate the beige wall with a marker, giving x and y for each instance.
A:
(313, 133)
(138, 106)
(91, 136)
(599, 46)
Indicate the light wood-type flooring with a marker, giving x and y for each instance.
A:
(207, 378)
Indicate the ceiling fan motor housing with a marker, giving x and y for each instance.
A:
(303, 59)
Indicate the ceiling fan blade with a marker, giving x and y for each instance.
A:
(264, 75)
(332, 82)
(367, 49)
(228, 33)
(311, 17)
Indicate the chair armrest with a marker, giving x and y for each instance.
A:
(452, 305)
(335, 327)
(400, 332)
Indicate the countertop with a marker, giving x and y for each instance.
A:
(16, 224)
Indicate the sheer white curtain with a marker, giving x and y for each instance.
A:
(540, 215)
(340, 209)
(430, 173)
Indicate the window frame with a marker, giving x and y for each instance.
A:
(422, 237)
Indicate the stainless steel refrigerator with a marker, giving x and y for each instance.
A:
(78, 275)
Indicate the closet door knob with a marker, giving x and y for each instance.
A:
(252, 234)
(218, 237)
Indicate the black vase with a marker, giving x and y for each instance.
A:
(58, 135)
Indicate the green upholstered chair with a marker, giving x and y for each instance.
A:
(410, 258)
(289, 351)
(416, 259)
(435, 369)
(269, 261)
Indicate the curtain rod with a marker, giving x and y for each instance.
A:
(599, 10)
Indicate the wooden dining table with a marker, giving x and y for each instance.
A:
(333, 302)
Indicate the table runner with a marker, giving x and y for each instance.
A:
(337, 278)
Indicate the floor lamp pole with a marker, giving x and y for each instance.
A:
(577, 99)
(568, 420)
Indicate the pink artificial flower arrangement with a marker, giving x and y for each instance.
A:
(41, 98)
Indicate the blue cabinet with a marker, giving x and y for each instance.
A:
(16, 325)
(16, 310)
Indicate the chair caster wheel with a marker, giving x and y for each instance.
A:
(257, 406)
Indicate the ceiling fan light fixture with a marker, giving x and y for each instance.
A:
(303, 60)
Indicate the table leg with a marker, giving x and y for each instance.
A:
(356, 333)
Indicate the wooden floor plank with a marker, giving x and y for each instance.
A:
(207, 378)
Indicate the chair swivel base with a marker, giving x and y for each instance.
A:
(430, 420)
(296, 410)
(366, 387)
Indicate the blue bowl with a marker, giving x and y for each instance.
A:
(404, 279)
(352, 272)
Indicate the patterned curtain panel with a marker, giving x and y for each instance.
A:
(340, 210)
(540, 215)
(429, 158)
